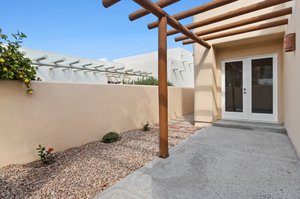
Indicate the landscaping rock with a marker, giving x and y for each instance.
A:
(85, 171)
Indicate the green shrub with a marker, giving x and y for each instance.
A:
(111, 137)
(145, 81)
(146, 127)
(13, 64)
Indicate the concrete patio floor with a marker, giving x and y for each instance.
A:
(218, 163)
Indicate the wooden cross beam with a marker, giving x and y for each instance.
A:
(108, 3)
(236, 24)
(143, 12)
(242, 30)
(196, 10)
(231, 14)
(157, 11)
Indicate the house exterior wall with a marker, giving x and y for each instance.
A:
(64, 115)
(268, 41)
(291, 75)
(180, 65)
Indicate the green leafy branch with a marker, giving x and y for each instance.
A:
(13, 64)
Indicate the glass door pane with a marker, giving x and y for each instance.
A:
(262, 86)
(234, 86)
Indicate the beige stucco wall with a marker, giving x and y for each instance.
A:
(208, 62)
(291, 82)
(64, 115)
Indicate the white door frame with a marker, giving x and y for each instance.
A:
(247, 105)
(233, 115)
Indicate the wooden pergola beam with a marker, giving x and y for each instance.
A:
(234, 13)
(157, 11)
(151, 7)
(175, 24)
(143, 12)
(108, 3)
(252, 20)
(241, 31)
(196, 10)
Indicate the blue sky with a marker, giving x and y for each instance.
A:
(84, 27)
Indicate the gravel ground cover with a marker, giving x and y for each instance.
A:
(87, 170)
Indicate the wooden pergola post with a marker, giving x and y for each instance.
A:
(163, 88)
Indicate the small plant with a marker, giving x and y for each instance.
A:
(146, 127)
(13, 64)
(46, 156)
(111, 137)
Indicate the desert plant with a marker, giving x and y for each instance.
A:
(46, 156)
(146, 127)
(13, 64)
(111, 137)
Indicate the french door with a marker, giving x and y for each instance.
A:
(249, 89)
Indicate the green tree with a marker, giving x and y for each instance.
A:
(13, 64)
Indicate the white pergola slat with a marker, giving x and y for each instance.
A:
(59, 64)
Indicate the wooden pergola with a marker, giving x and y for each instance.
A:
(200, 37)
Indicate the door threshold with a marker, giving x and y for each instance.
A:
(247, 125)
